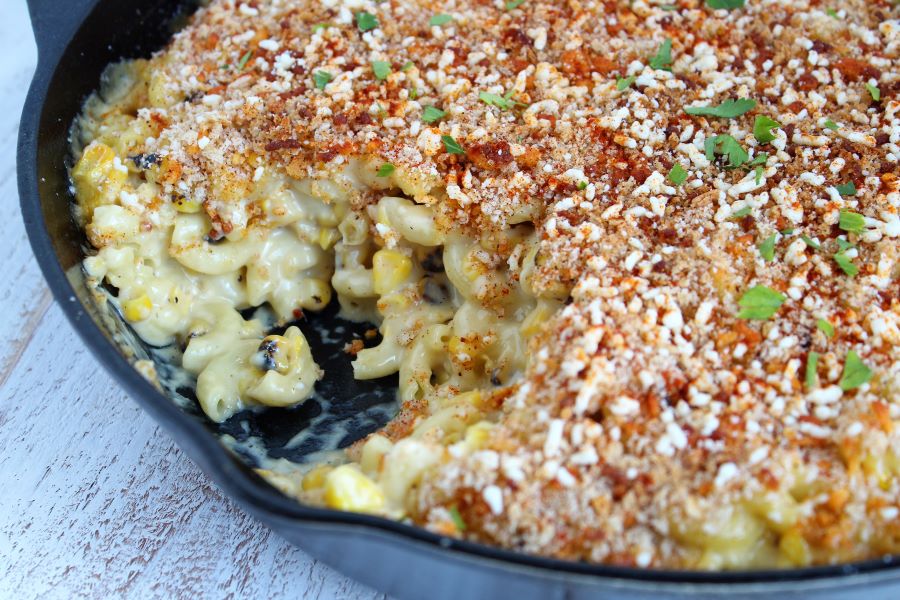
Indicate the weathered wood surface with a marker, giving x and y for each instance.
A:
(95, 500)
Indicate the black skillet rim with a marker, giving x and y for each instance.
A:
(239, 482)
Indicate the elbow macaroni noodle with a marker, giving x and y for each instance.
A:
(454, 316)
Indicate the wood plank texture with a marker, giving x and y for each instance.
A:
(96, 500)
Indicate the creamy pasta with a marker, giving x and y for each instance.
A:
(635, 264)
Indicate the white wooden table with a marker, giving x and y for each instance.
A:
(95, 499)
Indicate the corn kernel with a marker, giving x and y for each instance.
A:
(389, 269)
(328, 238)
(315, 479)
(795, 548)
(348, 489)
(137, 309)
(183, 205)
(477, 435)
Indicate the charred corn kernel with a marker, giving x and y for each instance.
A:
(137, 309)
(183, 205)
(348, 489)
(477, 435)
(315, 479)
(390, 269)
(328, 238)
(795, 548)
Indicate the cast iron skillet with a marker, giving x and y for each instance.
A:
(76, 40)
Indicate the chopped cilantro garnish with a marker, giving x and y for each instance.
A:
(381, 68)
(829, 124)
(451, 145)
(727, 110)
(438, 20)
(668, 7)
(407, 66)
(663, 59)
(758, 175)
(874, 91)
(321, 78)
(855, 372)
(832, 13)
(810, 242)
(759, 160)
(741, 213)
(413, 93)
(846, 264)
(846, 189)
(825, 327)
(386, 169)
(623, 83)
(582, 185)
(366, 21)
(759, 303)
(244, 60)
(787, 231)
(812, 365)
(457, 519)
(677, 174)
(767, 248)
(844, 245)
(432, 114)
(851, 221)
(762, 129)
(725, 145)
(502, 102)
(726, 4)
(511, 4)
(321, 26)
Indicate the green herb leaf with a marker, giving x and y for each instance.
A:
(832, 13)
(386, 169)
(244, 60)
(457, 519)
(767, 248)
(407, 66)
(762, 129)
(511, 4)
(812, 365)
(321, 79)
(502, 102)
(382, 69)
(663, 59)
(759, 175)
(759, 159)
(725, 145)
(810, 242)
(855, 372)
(846, 189)
(741, 213)
(788, 231)
(451, 145)
(438, 20)
(846, 264)
(366, 21)
(431, 114)
(677, 174)
(829, 124)
(727, 110)
(726, 4)
(321, 26)
(825, 327)
(582, 185)
(851, 221)
(874, 92)
(844, 245)
(759, 303)
(623, 83)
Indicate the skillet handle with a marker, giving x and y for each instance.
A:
(55, 22)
